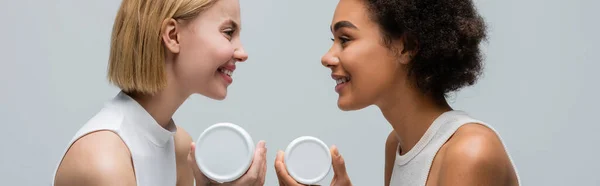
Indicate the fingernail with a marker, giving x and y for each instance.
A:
(336, 152)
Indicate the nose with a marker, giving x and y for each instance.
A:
(240, 54)
(329, 60)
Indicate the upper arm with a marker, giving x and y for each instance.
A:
(183, 142)
(97, 159)
(475, 156)
(391, 149)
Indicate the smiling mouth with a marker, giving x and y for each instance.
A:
(225, 71)
(342, 80)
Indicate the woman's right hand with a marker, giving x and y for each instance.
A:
(340, 176)
(254, 177)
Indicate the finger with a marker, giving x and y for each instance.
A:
(282, 173)
(192, 158)
(263, 168)
(253, 173)
(258, 158)
(213, 182)
(339, 166)
(192, 163)
(281, 183)
(279, 178)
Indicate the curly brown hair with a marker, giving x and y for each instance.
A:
(444, 35)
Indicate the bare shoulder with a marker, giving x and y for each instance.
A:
(392, 139)
(183, 142)
(391, 144)
(391, 149)
(475, 141)
(99, 158)
(475, 155)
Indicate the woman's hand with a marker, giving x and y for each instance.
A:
(254, 177)
(340, 177)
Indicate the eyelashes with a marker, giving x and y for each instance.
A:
(229, 33)
(343, 40)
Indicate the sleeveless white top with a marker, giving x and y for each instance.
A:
(413, 167)
(151, 146)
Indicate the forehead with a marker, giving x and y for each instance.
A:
(353, 11)
(225, 9)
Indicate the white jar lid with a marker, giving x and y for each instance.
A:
(307, 160)
(224, 152)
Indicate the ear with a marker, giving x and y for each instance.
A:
(170, 35)
(408, 48)
(407, 56)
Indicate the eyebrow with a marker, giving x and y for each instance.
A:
(343, 24)
(234, 24)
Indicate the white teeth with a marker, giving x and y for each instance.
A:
(342, 80)
(225, 71)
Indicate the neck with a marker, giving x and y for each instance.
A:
(411, 113)
(163, 105)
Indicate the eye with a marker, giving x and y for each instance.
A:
(229, 33)
(343, 40)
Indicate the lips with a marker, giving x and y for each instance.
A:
(340, 79)
(226, 71)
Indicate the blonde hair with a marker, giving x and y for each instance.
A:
(137, 53)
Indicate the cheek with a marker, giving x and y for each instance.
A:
(217, 50)
(207, 53)
(223, 53)
(372, 71)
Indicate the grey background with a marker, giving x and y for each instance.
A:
(539, 90)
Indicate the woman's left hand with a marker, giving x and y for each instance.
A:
(254, 177)
(340, 177)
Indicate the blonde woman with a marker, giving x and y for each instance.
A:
(162, 51)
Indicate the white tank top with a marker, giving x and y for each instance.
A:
(413, 167)
(152, 146)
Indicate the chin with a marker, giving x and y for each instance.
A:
(217, 95)
(347, 104)
(220, 97)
